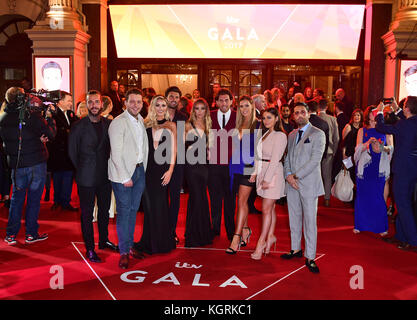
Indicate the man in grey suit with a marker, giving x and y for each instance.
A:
(327, 162)
(304, 184)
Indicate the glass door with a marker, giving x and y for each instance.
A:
(239, 79)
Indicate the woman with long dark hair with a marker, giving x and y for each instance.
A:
(269, 175)
(349, 137)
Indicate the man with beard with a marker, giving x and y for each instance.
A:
(173, 95)
(302, 172)
(89, 150)
(287, 123)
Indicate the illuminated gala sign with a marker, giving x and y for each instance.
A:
(237, 31)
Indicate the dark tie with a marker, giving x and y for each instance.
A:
(300, 133)
(224, 121)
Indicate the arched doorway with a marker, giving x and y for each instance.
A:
(15, 51)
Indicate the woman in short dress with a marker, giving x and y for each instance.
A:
(270, 182)
(241, 168)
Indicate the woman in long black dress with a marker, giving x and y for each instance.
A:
(156, 235)
(198, 227)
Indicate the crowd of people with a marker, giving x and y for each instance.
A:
(139, 149)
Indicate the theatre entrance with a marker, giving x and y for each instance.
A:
(241, 78)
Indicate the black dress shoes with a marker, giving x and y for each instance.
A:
(136, 254)
(108, 245)
(93, 257)
(292, 254)
(124, 261)
(312, 266)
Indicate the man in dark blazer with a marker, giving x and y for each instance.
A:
(116, 99)
(89, 150)
(404, 168)
(318, 122)
(348, 104)
(59, 162)
(173, 95)
(223, 120)
(342, 121)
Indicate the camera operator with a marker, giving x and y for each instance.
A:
(29, 163)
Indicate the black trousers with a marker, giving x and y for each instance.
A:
(87, 198)
(220, 193)
(174, 195)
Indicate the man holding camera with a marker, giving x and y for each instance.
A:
(26, 156)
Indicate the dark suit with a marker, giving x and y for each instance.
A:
(342, 121)
(404, 174)
(117, 103)
(59, 162)
(348, 107)
(219, 180)
(177, 180)
(89, 154)
(318, 122)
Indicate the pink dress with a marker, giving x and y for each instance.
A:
(271, 171)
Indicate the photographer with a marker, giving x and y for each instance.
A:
(404, 168)
(29, 163)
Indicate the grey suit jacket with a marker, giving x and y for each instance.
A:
(333, 132)
(303, 160)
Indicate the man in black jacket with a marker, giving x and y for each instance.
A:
(173, 95)
(28, 166)
(59, 162)
(342, 121)
(89, 150)
(318, 122)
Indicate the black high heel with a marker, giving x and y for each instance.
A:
(245, 243)
(231, 250)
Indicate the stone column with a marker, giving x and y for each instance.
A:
(400, 43)
(378, 17)
(63, 33)
(96, 14)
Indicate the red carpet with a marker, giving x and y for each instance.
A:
(29, 271)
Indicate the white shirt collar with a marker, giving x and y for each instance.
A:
(220, 116)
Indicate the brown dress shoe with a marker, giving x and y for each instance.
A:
(134, 253)
(124, 261)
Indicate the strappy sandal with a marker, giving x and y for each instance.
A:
(231, 250)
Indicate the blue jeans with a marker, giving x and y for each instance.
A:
(62, 181)
(30, 180)
(127, 204)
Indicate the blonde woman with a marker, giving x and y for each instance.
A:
(198, 226)
(82, 110)
(241, 169)
(107, 107)
(156, 236)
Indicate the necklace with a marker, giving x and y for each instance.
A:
(161, 121)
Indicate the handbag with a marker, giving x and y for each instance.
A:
(342, 188)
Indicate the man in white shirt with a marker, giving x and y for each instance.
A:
(127, 165)
(223, 120)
